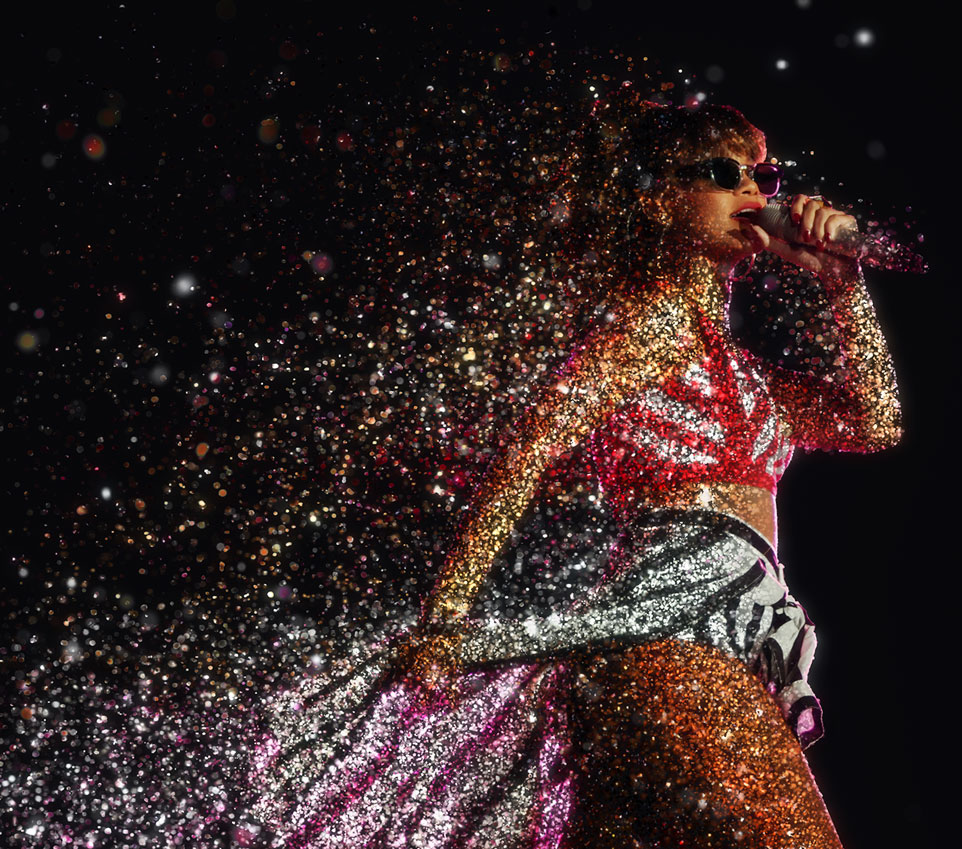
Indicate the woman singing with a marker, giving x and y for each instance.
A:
(668, 703)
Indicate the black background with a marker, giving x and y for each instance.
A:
(868, 540)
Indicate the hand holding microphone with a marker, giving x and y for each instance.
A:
(818, 237)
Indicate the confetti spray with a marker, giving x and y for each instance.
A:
(253, 453)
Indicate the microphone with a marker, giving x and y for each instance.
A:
(878, 251)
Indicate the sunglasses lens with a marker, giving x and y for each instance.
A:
(768, 178)
(726, 173)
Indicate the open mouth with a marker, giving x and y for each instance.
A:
(745, 214)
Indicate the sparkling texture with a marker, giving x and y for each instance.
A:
(683, 747)
(290, 359)
(418, 749)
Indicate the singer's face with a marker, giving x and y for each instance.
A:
(704, 216)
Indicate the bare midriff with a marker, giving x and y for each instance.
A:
(753, 505)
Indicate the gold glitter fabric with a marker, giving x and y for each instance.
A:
(678, 745)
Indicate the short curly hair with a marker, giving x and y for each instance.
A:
(631, 144)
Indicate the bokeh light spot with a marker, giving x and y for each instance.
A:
(94, 147)
(184, 285)
(108, 117)
(65, 130)
(268, 131)
(714, 73)
(27, 341)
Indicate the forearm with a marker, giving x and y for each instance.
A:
(495, 508)
(633, 353)
(868, 377)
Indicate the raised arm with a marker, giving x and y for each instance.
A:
(857, 408)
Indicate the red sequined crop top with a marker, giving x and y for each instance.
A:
(715, 423)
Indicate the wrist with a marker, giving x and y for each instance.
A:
(841, 272)
(441, 612)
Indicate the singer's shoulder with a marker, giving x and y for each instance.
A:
(636, 342)
(657, 323)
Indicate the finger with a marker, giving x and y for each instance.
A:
(452, 691)
(838, 222)
(761, 240)
(798, 204)
(807, 223)
(822, 214)
(424, 694)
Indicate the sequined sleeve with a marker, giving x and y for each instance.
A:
(640, 349)
(856, 408)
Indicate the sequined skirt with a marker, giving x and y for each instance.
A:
(356, 759)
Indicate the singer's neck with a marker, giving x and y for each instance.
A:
(700, 283)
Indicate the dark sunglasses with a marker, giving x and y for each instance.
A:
(727, 174)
